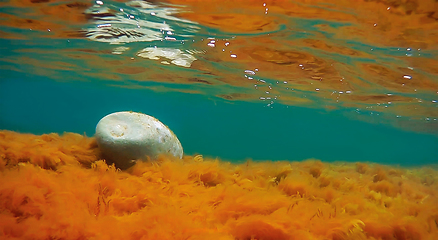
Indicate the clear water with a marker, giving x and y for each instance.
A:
(315, 81)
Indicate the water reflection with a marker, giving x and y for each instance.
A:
(306, 53)
(137, 21)
(175, 56)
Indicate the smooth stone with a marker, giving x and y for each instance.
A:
(124, 137)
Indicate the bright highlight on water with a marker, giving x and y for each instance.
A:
(283, 119)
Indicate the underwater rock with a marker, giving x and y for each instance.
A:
(126, 136)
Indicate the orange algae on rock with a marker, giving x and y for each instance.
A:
(196, 198)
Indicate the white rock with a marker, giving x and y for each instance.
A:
(126, 136)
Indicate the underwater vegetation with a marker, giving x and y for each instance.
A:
(58, 187)
(370, 60)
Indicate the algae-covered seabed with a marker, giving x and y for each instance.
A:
(55, 187)
(371, 61)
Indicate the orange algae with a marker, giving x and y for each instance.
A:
(47, 151)
(54, 187)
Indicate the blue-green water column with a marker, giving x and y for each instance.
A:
(231, 131)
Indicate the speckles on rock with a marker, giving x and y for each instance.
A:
(126, 136)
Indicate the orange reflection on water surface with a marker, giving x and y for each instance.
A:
(378, 56)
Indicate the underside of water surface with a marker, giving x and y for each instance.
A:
(308, 119)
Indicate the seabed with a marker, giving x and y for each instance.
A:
(59, 187)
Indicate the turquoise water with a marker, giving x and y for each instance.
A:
(213, 127)
(48, 85)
